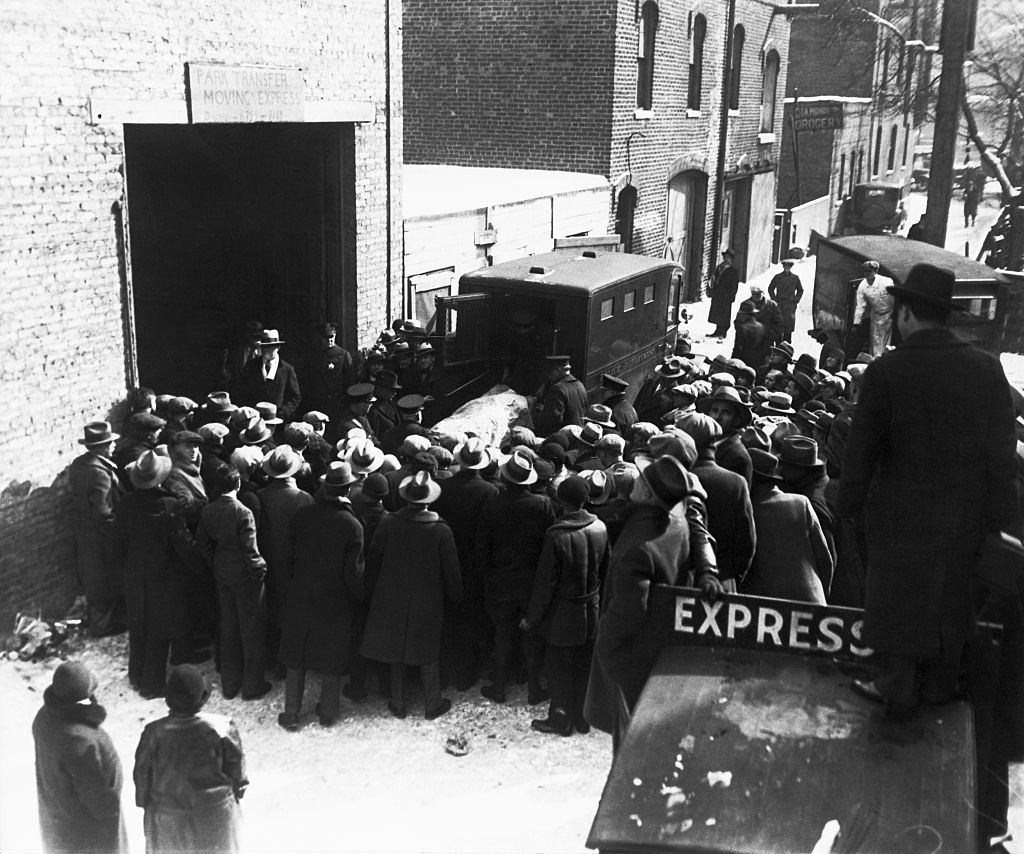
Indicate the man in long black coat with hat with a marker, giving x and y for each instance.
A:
(929, 476)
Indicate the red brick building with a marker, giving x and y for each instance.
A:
(167, 171)
(855, 100)
(630, 90)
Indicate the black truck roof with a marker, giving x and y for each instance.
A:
(574, 274)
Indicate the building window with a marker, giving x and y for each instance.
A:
(878, 152)
(738, 37)
(893, 135)
(648, 27)
(853, 161)
(768, 91)
(697, 35)
(906, 143)
(628, 301)
(842, 176)
(607, 308)
(860, 166)
(625, 208)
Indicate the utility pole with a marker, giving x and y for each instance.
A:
(957, 25)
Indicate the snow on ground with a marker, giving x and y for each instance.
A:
(370, 783)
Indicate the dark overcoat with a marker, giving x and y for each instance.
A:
(461, 503)
(96, 491)
(723, 293)
(325, 556)
(78, 779)
(751, 344)
(731, 454)
(513, 523)
(559, 403)
(158, 556)
(412, 570)
(279, 501)
(655, 547)
(930, 463)
(730, 516)
(566, 593)
(623, 414)
(283, 390)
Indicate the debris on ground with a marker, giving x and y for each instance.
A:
(457, 745)
(36, 639)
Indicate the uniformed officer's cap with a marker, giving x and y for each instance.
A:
(360, 392)
(613, 383)
(558, 360)
(410, 402)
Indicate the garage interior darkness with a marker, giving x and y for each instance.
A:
(232, 222)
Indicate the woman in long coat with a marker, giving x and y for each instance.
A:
(158, 556)
(412, 568)
(325, 563)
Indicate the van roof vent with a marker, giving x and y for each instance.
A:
(589, 253)
(540, 271)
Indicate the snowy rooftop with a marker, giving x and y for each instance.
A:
(429, 190)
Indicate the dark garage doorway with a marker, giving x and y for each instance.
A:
(231, 222)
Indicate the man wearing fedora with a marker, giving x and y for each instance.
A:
(78, 772)
(271, 378)
(564, 605)
(792, 560)
(227, 538)
(326, 564)
(96, 490)
(383, 414)
(779, 357)
(190, 773)
(660, 543)
(803, 473)
(158, 556)
(654, 398)
(787, 290)
(875, 305)
(722, 291)
(513, 522)
(460, 504)
(561, 400)
(412, 575)
(238, 356)
(734, 416)
(767, 313)
(410, 417)
(141, 434)
(751, 342)
(280, 499)
(928, 478)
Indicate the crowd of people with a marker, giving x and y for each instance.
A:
(366, 543)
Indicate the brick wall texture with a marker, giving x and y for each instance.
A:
(63, 315)
(553, 84)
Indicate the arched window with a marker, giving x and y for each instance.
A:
(842, 176)
(860, 166)
(738, 37)
(648, 27)
(697, 36)
(878, 151)
(892, 148)
(768, 91)
(625, 208)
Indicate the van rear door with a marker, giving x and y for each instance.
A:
(463, 327)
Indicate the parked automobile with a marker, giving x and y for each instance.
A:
(878, 208)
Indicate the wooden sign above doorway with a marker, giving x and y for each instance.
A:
(244, 93)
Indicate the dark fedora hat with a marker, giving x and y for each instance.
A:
(764, 464)
(374, 355)
(376, 486)
(783, 348)
(419, 488)
(804, 381)
(799, 451)
(929, 284)
(667, 479)
(670, 369)
(97, 433)
(388, 380)
(219, 401)
(806, 363)
(255, 434)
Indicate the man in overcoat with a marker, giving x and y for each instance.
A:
(928, 475)
(564, 606)
(513, 523)
(279, 501)
(722, 292)
(623, 414)
(787, 290)
(730, 515)
(661, 543)
(96, 490)
(190, 773)
(326, 565)
(158, 556)
(328, 372)
(78, 772)
(412, 570)
(271, 378)
(460, 504)
(561, 400)
(734, 416)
